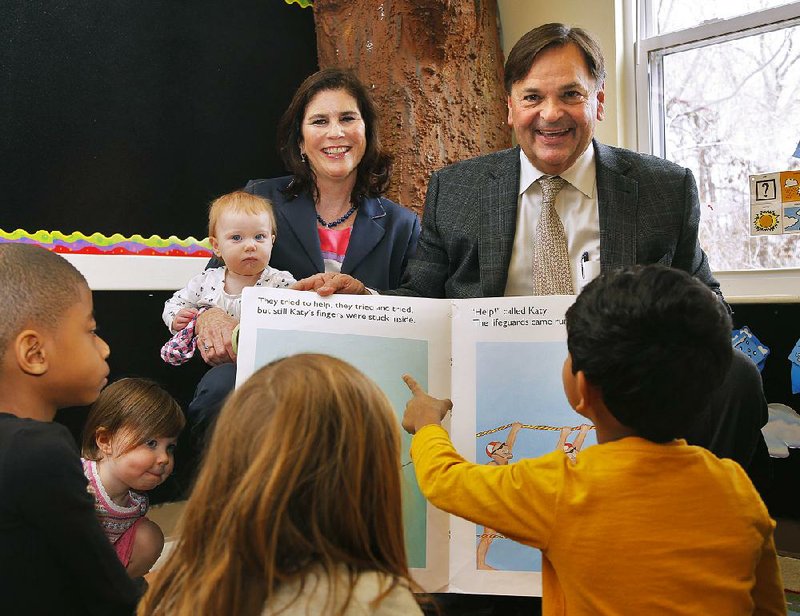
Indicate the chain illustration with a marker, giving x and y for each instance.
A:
(527, 426)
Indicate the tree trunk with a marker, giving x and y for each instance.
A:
(435, 70)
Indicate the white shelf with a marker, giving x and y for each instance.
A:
(134, 273)
(776, 286)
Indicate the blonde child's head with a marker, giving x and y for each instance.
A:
(50, 354)
(303, 470)
(241, 229)
(239, 201)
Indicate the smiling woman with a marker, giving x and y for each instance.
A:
(331, 213)
(333, 203)
(333, 143)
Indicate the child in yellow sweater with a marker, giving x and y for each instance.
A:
(641, 523)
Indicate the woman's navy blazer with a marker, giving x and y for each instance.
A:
(383, 239)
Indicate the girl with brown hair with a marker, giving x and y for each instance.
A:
(128, 448)
(297, 507)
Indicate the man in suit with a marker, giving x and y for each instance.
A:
(617, 207)
(645, 210)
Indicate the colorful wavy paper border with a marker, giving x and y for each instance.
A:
(116, 244)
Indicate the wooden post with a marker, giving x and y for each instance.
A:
(435, 70)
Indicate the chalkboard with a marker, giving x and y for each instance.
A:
(130, 117)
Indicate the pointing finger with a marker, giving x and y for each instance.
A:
(412, 384)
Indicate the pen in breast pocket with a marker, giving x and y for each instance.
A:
(584, 259)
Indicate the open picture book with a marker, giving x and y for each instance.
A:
(498, 359)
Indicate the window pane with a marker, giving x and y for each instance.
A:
(672, 15)
(731, 110)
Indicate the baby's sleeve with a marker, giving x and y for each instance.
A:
(279, 279)
(187, 297)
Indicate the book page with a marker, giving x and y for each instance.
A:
(508, 404)
(384, 337)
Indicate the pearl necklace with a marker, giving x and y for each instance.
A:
(338, 221)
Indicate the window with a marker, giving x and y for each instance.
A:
(720, 81)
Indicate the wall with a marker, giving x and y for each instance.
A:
(130, 120)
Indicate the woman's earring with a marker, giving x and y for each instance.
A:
(303, 157)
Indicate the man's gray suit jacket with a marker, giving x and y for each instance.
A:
(648, 207)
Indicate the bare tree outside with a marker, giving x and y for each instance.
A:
(671, 15)
(730, 111)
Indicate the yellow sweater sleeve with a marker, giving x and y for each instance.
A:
(768, 595)
(518, 500)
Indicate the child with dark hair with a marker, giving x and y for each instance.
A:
(128, 448)
(54, 558)
(641, 523)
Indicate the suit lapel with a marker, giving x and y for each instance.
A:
(497, 200)
(368, 230)
(617, 197)
(300, 215)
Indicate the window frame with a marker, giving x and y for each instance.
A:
(738, 286)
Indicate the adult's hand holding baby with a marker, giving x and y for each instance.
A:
(214, 330)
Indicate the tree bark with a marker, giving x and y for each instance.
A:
(435, 70)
